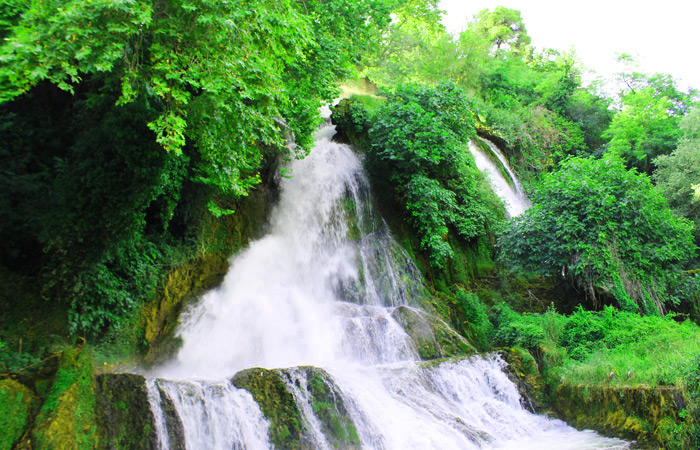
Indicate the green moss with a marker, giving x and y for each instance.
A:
(647, 415)
(276, 403)
(16, 405)
(523, 371)
(124, 412)
(67, 419)
(329, 408)
(433, 363)
(159, 319)
(431, 337)
(471, 260)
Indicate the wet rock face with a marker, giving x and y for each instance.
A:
(276, 403)
(523, 371)
(181, 286)
(173, 424)
(124, 412)
(303, 406)
(641, 413)
(316, 388)
(432, 337)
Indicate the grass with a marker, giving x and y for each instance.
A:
(657, 356)
(587, 347)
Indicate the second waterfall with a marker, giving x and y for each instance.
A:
(316, 340)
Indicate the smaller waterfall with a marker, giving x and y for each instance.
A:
(206, 415)
(508, 189)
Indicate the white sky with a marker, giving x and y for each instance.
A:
(664, 36)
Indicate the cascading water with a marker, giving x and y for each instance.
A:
(324, 296)
(508, 189)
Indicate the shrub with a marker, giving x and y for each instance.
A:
(606, 228)
(419, 152)
(474, 319)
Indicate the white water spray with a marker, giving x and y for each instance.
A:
(313, 292)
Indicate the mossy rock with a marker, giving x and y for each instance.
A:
(124, 412)
(642, 413)
(352, 119)
(173, 424)
(17, 403)
(434, 363)
(181, 286)
(276, 403)
(329, 407)
(67, 420)
(432, 337)
(523, 371)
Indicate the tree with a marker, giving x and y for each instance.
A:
(230, 77)
(414, 48)
(647, 123)
(122, 119)
(592, 113)
(503, 27)
(643, 129)
(678, 174)
(604, 227)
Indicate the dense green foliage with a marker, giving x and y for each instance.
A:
(93, 207)
(647, 124)
(606, 228)
(613, 348)
(678, 174)
(128, 129)
(222, 74)
(531, 101)
(473, 320)
(419, 140)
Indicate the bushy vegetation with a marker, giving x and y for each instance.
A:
(473, 320)
(417, 150)
(128, 128)
(647, 125)
(607, 229)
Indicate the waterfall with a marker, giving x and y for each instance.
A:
(320, 322)
(505, 185)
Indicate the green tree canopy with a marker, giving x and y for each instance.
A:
(606, 228)
(229, 76)
(647, 123)
(122, 119)
(678, 174)
(503, 27)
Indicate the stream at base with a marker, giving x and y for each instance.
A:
(328, 307)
